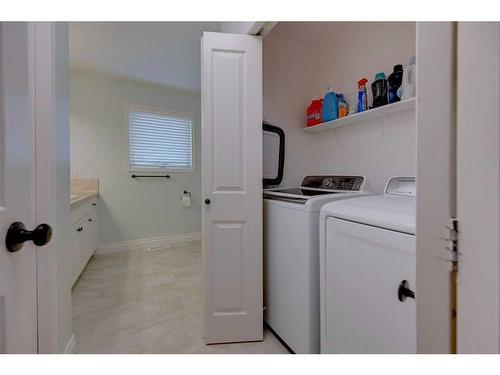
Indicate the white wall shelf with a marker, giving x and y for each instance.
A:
(371, 114)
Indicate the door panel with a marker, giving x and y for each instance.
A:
(228, 121)
(18, 314)
(232, 186)
(229, 250)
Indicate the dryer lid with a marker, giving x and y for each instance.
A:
(395, 210)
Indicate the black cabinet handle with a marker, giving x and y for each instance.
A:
(404, 291)
(90, 219)
(207, 201)
(93, 204)
(17, 235)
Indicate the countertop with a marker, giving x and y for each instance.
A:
(77, 198)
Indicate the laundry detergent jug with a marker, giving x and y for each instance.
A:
(330, 106)
(379, 89)
(394, 82)
(314, 112)
(407, 89)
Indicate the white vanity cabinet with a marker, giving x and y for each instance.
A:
(83, 234)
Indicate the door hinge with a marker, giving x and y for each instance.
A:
(452, 247)
(452, 240)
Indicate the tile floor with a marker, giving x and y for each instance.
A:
(147, 301)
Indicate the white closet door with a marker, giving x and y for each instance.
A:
(232, 186)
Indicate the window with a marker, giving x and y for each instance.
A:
(159, 140)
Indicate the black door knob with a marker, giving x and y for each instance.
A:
(17, 235)
(207, 201)
(404, 291)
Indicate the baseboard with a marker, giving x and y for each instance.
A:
(70, 346)
(147, 243)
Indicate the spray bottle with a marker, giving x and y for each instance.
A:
(362, 101)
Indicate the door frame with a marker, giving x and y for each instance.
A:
(49, 45)
(436, 183)
(478, 187)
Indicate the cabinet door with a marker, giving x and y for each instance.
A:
(92, 227)
(75, 248)
(91, 235)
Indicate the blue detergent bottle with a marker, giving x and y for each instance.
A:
(330, 106)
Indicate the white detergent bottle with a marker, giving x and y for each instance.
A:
(408, 84)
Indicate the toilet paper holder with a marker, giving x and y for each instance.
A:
(186, 198)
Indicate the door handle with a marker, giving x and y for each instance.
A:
(404, 291)
(207, 201)
(17, 235)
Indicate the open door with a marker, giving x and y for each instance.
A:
(18, 288)
(231, 144)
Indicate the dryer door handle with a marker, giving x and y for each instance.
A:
(404, 291)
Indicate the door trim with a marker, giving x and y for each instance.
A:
(436, 182)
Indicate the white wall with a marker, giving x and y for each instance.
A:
(295, 70)
(129, 209)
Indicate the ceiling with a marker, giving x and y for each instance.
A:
(166, 53)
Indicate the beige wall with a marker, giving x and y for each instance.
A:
(300, 60)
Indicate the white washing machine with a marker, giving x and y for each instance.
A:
(291, 256)
(367, 278)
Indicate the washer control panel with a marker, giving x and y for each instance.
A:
(347, 183)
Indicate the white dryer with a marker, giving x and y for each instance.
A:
(291, 256)
(367, 274)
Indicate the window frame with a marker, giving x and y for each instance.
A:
(159, 111)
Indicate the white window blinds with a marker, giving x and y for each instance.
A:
(159, 141)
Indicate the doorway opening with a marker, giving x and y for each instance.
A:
(135, 136)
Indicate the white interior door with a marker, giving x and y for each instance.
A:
(232, 187)
(436, 183)
(18, 313)
(478, 187)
